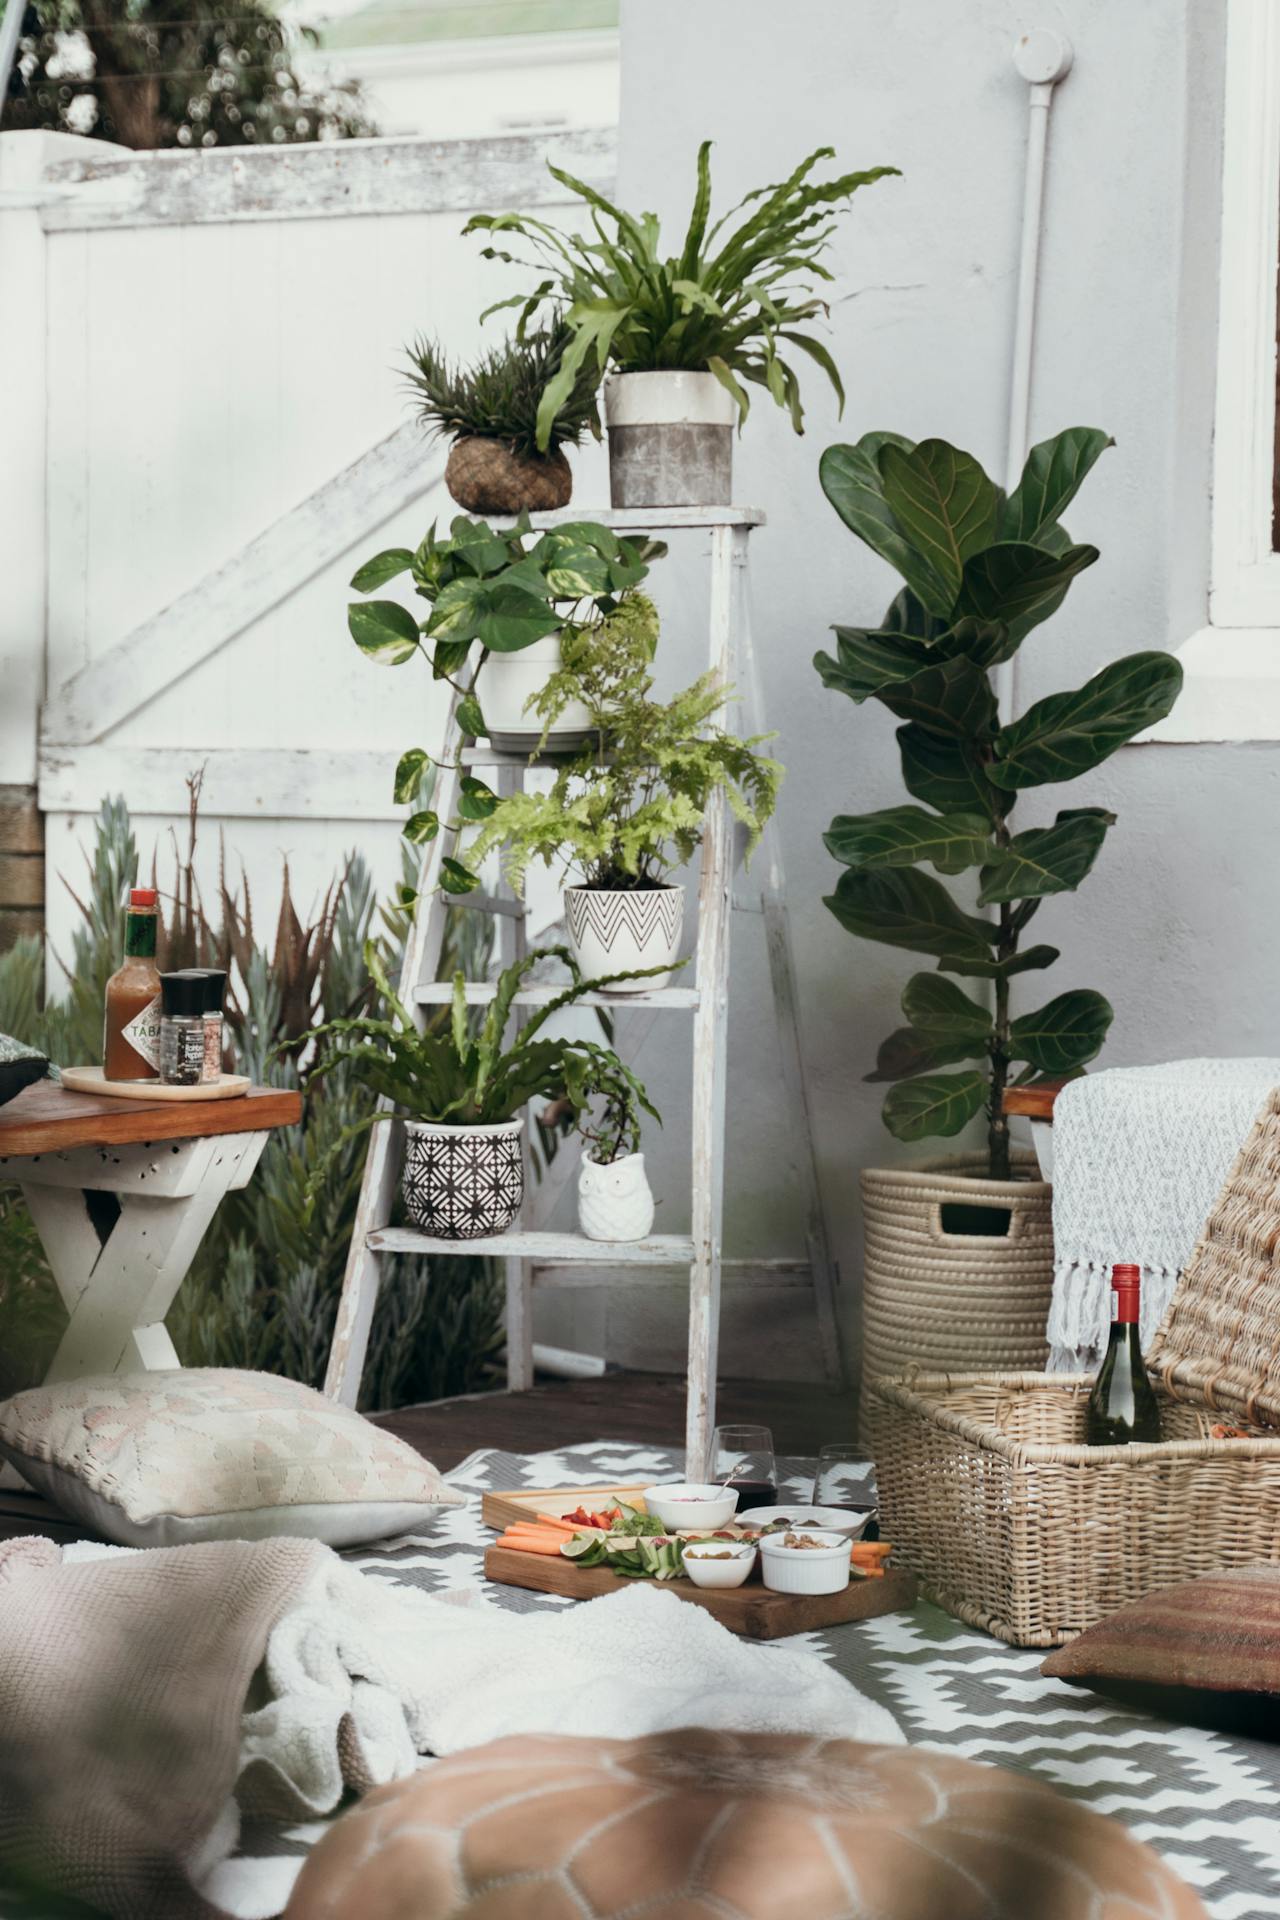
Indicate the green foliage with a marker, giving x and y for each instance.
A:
(730, 310)
(173, 73)
(981, 571)
(630, 809)
(497, 397)
(461, 1073)
(502, 590)
(263, 1286)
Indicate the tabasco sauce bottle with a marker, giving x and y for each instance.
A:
(131, 1021)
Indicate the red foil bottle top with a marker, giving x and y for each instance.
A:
(142, 896)
(1126, 1292)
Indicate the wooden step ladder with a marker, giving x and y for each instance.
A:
(533, 1259)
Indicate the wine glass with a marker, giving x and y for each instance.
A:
(841, 1479)
(742, 1457)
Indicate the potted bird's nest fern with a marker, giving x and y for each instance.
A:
(460, 1089)
(683, 336)
(490, 411)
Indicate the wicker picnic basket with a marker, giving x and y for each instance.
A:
(1013, 1524)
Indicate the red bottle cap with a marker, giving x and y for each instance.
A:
(1126, 1275)
(142, 896)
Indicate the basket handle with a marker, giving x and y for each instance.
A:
(964, 1223)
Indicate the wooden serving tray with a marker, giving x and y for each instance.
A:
(93, 1080)
(751, 1610)
(499, 1510)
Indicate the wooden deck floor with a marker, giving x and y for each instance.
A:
(645, 1407)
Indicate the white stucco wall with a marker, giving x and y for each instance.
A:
(1178, 923)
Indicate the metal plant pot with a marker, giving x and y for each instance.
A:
(460, 1183)
(616, 932)
(670, 440)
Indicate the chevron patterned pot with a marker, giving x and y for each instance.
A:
(616, 932)
(460, 1183)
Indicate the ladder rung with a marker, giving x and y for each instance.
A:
(435, 993)
(486, 756)
(659, 1250)
(742, 1273)
(492, 903)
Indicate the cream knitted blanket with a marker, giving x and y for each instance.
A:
(1140, 1154)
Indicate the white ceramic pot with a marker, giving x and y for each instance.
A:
(823, 1569)
(509, 681)
(614, 1198)
(460, 1183)
(619, 932)
(719, 1564)
(670, 440)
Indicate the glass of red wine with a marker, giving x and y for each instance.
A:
(742, 1457)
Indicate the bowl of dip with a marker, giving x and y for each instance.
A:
(799, 1518)
(805, 1560)
(688, 1505)
(719, 1563)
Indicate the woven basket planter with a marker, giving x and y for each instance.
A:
(486, 476)
(1016, 1526)
(936, 1293)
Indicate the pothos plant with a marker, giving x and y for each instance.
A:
(492, 591)
(981, 571)
(631, 807)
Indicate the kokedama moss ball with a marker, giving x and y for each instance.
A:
(485, 476)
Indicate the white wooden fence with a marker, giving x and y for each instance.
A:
(207, 432)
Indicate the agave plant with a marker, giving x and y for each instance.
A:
(981, 570)
(729, 310)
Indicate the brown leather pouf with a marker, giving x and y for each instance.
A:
(720, 1826)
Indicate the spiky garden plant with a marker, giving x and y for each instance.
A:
(981, 571)
(497, 396)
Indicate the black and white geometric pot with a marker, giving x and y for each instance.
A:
(670, 439)
(460, 1183)
(617, 932)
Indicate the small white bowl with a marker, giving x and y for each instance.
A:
(683, 1504)
(811, 1519)
(719, 1563)
(823, 1569)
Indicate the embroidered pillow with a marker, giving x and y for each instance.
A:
(211, 1453)
(726, 1826)
(1205, 1651)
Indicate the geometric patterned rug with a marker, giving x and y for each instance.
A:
(1208, 1802)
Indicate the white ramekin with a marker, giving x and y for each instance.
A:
(822, 1569)
(705, 1568)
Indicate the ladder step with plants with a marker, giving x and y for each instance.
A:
(544, 1258)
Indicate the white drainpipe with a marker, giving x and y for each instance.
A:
(1042, 58)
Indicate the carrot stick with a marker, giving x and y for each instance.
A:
(542, 1533)
(527, 1543)
(550, 1520)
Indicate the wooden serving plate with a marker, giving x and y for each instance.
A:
(93, 1080)
(500, 1510)
(751, 1610)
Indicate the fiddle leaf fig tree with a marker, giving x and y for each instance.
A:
(981, 570)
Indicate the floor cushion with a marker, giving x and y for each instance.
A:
(20, 1065)
(723, 1826)
(212, 1453)
(1205, 1651)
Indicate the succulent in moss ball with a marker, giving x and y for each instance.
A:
(489, 409)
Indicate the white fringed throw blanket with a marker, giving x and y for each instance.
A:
(1140, 1154)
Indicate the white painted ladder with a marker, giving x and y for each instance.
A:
(534, 1259)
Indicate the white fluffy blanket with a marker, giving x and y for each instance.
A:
(412, 1674)
(363, 1678)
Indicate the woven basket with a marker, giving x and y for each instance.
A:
(955, 1301)
(989, 1493)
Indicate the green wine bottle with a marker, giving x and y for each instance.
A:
(1123, 1405)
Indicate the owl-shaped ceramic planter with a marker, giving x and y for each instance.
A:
(614, 1200)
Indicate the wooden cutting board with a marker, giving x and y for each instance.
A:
(751, 1610)
(500, 1510)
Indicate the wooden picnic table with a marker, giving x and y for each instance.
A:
(121, 1192)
